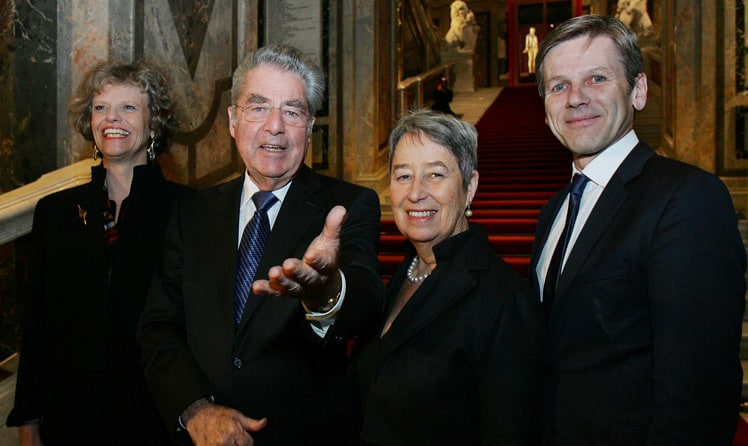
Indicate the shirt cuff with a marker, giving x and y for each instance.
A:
(321, 322)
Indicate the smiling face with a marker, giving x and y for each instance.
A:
(272, 150)
(120, 123)
(588, 102)
(426, 191)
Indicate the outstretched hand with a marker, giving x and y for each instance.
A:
(315, 278)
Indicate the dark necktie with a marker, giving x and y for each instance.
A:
(254, 238)
(554, 269)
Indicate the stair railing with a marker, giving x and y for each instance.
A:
(411, 90)
(17, 206)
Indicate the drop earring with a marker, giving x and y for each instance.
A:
(468, 212)
(151, 152)
(96, 153)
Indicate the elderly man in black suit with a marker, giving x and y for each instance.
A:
(645, 292)
(234, 365)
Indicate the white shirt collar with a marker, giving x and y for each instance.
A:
(247, 206)
(249, 188)
(601, 169)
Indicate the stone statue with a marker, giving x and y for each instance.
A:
(463, 29)
(634, 14)
(470, 32)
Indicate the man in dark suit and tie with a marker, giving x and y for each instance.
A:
(645, 312)
(229, 362)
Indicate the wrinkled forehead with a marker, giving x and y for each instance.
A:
(274, 84)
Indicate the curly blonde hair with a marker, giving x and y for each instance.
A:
(163, 119)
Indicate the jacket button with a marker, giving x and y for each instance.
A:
(237, 363)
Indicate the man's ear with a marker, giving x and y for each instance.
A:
(639, 92)
(232, 120)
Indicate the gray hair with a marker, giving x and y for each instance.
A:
(459, 137)
(593, 26)
(286, 58)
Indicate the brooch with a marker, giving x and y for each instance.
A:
(82, 215)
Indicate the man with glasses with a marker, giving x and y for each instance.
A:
(235, 355)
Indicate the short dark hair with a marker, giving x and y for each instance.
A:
(163, 120)
(592, 26)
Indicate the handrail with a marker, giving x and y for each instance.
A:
(416, 83)
(426, 75)
(17, 206)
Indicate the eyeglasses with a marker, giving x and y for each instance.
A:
(293, 116)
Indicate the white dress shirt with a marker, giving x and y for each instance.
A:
(600, 170)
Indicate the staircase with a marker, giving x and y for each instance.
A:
(521, 165)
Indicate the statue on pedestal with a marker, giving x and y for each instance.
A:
(459, 50)
(463, 29)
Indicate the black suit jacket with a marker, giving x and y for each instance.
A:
(461, 363)
(79, 363)
(645, 327)
(272, 365)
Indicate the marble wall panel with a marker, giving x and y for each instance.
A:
(201, 61)
(197, 44)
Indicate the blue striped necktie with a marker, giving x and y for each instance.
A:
(254, 238)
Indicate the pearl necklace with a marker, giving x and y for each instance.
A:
(412, 268)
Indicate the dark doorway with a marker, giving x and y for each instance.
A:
(530, 23)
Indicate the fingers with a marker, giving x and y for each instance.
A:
(299, 278)
(282, 280)
(252, 425)
(219, 425)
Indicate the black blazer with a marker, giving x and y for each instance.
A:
(645, 327)
(461, 363)
(79, 364)
(272, 365)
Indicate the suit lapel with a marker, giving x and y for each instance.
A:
(545, 222)
(223, 236)
(447, 285)
(605, 210)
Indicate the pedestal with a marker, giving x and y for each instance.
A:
(463, 69)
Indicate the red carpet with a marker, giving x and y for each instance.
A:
(741, 436)
(521, 164)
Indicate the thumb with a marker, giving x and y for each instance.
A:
(333, 224)
(252, 425)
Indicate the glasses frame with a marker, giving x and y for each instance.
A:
(243, 108)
